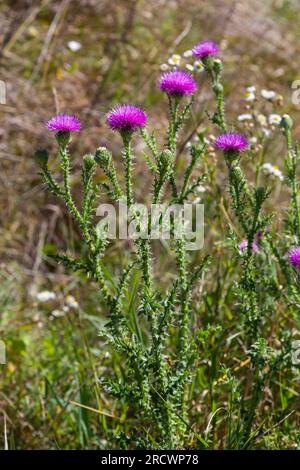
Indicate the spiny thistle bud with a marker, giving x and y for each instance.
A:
(89, 162)
(103, 157)
(42, 156)
(217, 66)
(286, 122)
(218, 88)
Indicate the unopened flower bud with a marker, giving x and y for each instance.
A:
(89, 162)
(286, 122)
(218, 88)
(42, 156)
(217, 66)
(103, 157)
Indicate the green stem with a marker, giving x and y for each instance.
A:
(63, 151)
(128, 170)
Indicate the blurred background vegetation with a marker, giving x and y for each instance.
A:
(54, 354)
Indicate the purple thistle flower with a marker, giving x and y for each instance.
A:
(177, 83)
(244, 245)
(205, 49)
(64, 122)
(231, 141)
(126, 117)
(259, 235)
(294, 257)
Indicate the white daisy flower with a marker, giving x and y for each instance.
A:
(74, 46)
(164, 67)
(274, 119)
(277, 173)
(266, 131)
(189, 67)
(188, 53)
(249, 96)
(251, 89)
(71, 302)
(201, 188)
(268, 94)
(272, 171)
(245, 117)
(57, 313)
(195, 200)
(45, 296)
(174, 60)
(267, 168)
(199, 66)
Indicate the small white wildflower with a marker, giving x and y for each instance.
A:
(267, 168)
(201, 188)
(251, 89)
(188, 53)
(262, 120)
(164, 67)
(249, 96)
(190, 67)
(71, 302)
(272, 171)
(266, 131)
(277, 173)
(245, 117)
(74, 46)
(274, 119)
(195, 200)
(174, 60)
(268, 94)
(57, 313)
(45, 296)
(199, 66)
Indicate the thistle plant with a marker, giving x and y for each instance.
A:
(256, 289)
(157, 376)
(162, 362)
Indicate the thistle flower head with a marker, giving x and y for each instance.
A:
(126, 118)
(231, 142)
(63, 123)
(244, 245)
(205, 49)
(294, 257)
(177, 83)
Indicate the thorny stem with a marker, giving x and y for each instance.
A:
(128, 170)
(214, 70)
(144, 247)
(65, 161)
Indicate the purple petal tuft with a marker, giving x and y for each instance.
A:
(64, 122)
(294, 257)
(177, 83)
(205, 49)
(126, 117)
(231, 141)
